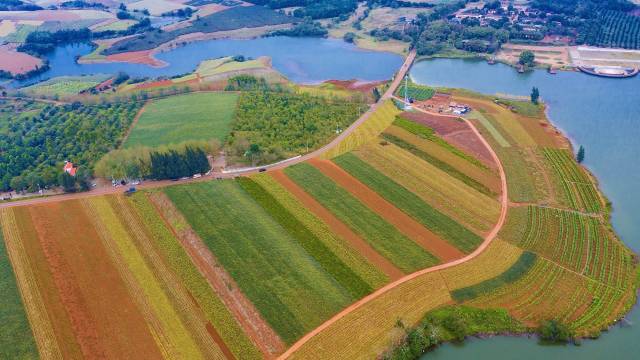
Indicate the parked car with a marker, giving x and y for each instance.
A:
(197, 176)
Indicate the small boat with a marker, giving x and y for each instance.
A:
(552, 71)
(491, 61)
(521, 69)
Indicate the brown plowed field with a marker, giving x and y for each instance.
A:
(455, 132)
(338, 227)
(105, 320)
(222, 283)
(17, 62)
(403, 222)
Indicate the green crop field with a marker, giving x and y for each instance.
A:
(382, 236)
(410, 203)
(65, 85)
(176, 119)
(415, 91)
(16, 339)
(289, 288)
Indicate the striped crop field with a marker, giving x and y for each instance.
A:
(287, 285)
(578, 189)
(410, 203)
(382, 236)
(382, 118)
(445, 193)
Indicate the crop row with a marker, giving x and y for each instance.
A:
(356, 287)
(471, 182)
(381, 235)
(410, 203)
(415, 91)
(379, 120)
(287, 286)
(445, 193)
(513, 274)
(578, 188)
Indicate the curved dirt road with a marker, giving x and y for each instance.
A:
(504, 202)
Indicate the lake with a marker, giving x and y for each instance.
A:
(601, 114)
(301, 60)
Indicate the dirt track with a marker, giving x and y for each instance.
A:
(488, 239)
(403, 222)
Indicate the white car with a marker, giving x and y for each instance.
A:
(196, 176)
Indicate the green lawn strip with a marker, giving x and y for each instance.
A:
(439, 164)
(288, 287)
(314, 247)
(410, 203)
(384, 237)
(180, 262)
(490, 128)
(349, 256)
(16, 338)
(176, 119)
(428, 133)
(513, 274)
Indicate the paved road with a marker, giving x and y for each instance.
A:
(504, 202)
(155, 184)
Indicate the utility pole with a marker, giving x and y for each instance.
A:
(407, 105)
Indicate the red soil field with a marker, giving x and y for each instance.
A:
(44, 15)
(17, 62)
(222, 283)
(105, 320)
(403, 222)
(453, 131)
(338, 227)
(55, 310)
(136, 57)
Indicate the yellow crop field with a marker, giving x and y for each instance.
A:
(170, 331)
(381, 119)
(496, 259)
(367, 331)
(433, 185)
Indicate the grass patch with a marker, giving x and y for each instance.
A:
(312, 245)
(287, 286)
(176, 119)
(385, 238)
(439, 164)
(525, 108)
(16, 338)
(65, 85)
(415, 91)
(514, 273)
(410, 203)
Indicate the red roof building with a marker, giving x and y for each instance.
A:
(69, 168)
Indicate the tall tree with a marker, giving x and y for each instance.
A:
(535, 95)
(580, 156)
(527, 58)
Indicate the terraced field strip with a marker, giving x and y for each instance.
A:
(206, 337)
(453, 172)
(481, 174)
(16, 337)
(447, 229)
(169, 328)
(577, 185)
(312, 245)
(41, 324)
(78, 260)
(380, 119)
(338, 227)
(333, 241)
(378, 232)
(443, 192)
(428, 240)
(289, 288)
(229, 312)
(514, 273)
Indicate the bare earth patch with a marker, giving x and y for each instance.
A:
(17, 62)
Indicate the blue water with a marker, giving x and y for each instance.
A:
(302, 60)
(601, 114)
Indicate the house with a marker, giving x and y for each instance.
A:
(69, 168)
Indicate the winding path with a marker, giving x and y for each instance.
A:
(504, 202)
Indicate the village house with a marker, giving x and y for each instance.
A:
(69, 168)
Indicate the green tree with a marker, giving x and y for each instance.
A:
(527, 58)
(535, 95)
(349, 37)
(554, 331)
(580, 156)
(67, 182)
